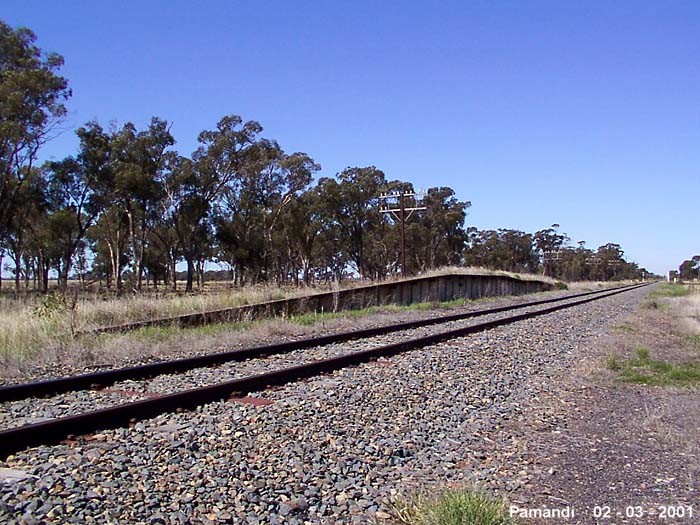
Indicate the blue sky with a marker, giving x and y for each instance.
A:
(584, 114)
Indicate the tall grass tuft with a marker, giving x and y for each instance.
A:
(453, 507)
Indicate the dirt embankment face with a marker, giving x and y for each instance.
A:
(619, 440)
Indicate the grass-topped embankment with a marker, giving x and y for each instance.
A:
(35, 324)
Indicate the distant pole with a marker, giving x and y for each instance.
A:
(403, 235)
(400, 216)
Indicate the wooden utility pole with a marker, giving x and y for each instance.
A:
(399, 213)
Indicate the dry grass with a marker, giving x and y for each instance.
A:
(89, 310)
(92, 310)
(687, 311)
(32, 326)
(584, 286)
(473, 270)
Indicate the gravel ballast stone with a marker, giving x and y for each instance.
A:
(334, 449)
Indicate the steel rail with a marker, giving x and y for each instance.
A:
(54, 431)
(105, 378)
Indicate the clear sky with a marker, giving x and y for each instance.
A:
(584, 114)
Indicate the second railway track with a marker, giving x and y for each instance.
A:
(201, 381)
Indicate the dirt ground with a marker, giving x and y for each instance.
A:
(614, 452)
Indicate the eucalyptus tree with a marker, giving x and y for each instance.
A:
(76, 196)
(518, 252)
(548, 242)
(441, 235)
(502, 249)
(32, 104)
(690, 268)
(294, 176)
(354, 204)
(575, 263)
(249, 214)
(193, 185)
(28, 214)
(305, 220)
(609, 262)
(109, 238)
(163, 243)
(139, 159)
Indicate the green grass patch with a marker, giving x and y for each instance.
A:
(613, 363)
(653, 300)
(694, 340)
(642, 369)
(315, 317)
(453, 507)
(669, 290)
(623, 328)
(454, 303)
(642, 353)
(156, 334)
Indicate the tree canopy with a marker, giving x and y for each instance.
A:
(32, 103)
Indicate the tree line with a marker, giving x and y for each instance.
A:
(127, 208)
(549, 252)
(688, 270)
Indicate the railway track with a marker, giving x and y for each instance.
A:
(247, 377)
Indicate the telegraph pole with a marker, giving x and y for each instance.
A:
(398, 212)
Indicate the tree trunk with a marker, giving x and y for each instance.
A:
(190, 273)
(40, 271)
(27, 271)
(174, 273)
(18, 271)
(200, 274)
(45, 278)
(142, 242)
(112, 263)
(63, 279)
(136, 252)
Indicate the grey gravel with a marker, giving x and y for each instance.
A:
(334, 449)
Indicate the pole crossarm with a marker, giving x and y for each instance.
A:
(401, 215)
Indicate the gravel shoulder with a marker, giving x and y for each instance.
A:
(587, 440)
